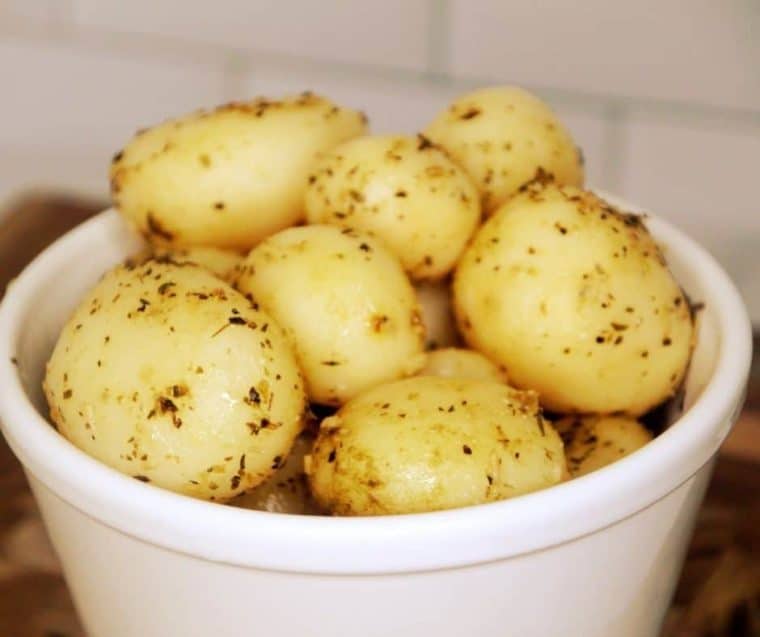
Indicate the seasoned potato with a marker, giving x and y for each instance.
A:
(220, 262)
(457, 362)
(229, 177)
(169, 375)
(504, 137)
(427, 443)
(346, 303)
(287, 490)
(403, 190)
(575, 300)
(594, 442)
(437, 314)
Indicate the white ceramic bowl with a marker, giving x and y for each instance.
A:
(595, 557)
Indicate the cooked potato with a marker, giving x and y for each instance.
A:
(404, 191)
(437, 314)
(457, 362)
(427, 443)
(220, 262)
(169, 375)
(229, 177)
(594, 442)
(575, 300)
(504, 137)
(345, 301)
(286, 491)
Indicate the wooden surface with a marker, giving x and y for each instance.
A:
(719, 592)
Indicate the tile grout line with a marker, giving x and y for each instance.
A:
(70, 34)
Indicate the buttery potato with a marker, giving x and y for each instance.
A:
(504, 137)
(437, 314)
(594, 442)
(427, 443)
(169, 375)
(575, 300)
(228, 177)
(404, 191)
(220, 262)
(346, 303)
(457, 362)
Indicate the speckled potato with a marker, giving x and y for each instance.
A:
(404, 191)
(427, 443)
(220, 262)
(594, 442)
(437, 314)
(169, 375)
(504, 137)
(227, 177)
(286, 491)
(345, 301)
(457, 362)
(575, 300)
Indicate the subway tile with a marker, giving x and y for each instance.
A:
(392, 105)
(702, 51)
(389, 33)
(702, 176)
(56, 98)
(38, 10)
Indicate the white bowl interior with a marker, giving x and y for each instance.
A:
(37, 306)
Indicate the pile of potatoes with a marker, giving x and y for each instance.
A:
(328, 321)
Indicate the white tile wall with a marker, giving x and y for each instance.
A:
(73, 100)
(51, 10)
(685, 50)
(388, 33)
(392, 105)
(702, 174)
(663, 97)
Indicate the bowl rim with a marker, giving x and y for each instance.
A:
(388, 544)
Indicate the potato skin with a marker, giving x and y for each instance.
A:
(228, 177)
(345, 302)
(220, 262)
(427, 443)
(403, 190)
(168, 375)
(575, 299)
(503, 137)
(457, 362)
(594, 442)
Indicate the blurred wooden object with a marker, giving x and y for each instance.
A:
(719, 591)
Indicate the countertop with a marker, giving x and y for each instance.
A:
(719, 591)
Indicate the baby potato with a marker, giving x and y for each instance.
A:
(437, 314)
(575, 300)
(229, 177)
(404, 191)
(457, 362)
(221, 263)
(503, 137)
(594, 442)
(286, 491)
(345, 301)
(168, 375)
(427, 443)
